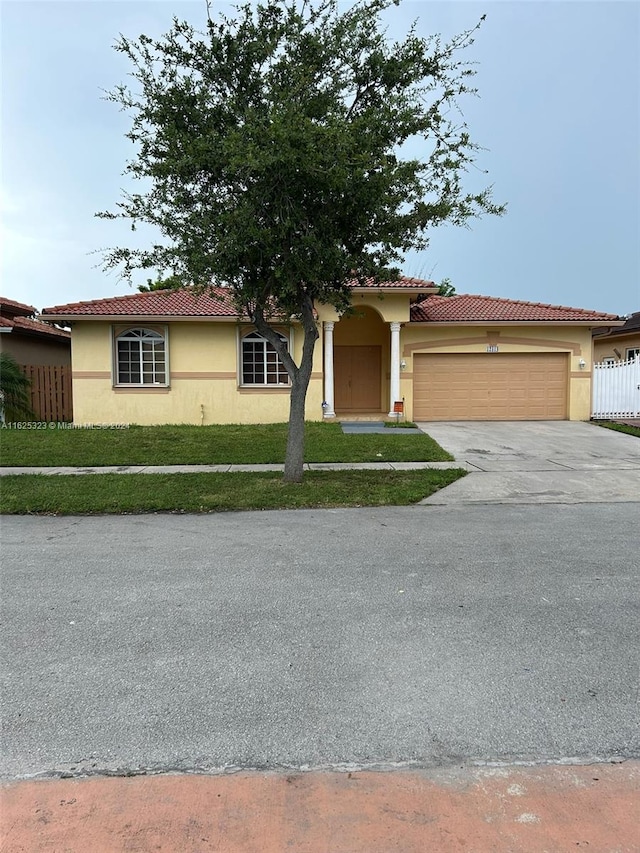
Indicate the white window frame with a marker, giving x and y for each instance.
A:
(632, 352)
(268, 347)
(156, 336)
(609, 359)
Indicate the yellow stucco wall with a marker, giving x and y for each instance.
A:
(203, 385)
(391, 307)
(576, 341)
(203, 365)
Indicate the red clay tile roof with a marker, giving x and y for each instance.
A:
(12, 307)
(21, 316)
(469, 309)
(33, 327)
(217, 302)
(213, 302)
(402, 282)
(28, 325)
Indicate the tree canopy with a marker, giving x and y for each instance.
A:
(445, 288)
(271, 149)
(171, 282)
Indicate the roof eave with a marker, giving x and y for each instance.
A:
(405, 291)
(153, 318)
(617, 333)
(129, 318)
(55, 335)
(505, 322)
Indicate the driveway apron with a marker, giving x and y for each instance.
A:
(538, 462)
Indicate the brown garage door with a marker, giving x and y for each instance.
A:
(490, 387)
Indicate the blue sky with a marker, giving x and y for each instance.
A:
(558, 112)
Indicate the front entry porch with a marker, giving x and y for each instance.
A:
(361, 367)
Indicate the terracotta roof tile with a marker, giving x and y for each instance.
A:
(32, 326)
(467, 309)
(14, 307)
(402, 282)
(218, 302)
(214, 302)
(40, 328)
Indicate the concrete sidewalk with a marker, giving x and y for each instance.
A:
(226, 469)
(498, 809)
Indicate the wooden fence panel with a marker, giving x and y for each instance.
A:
(50, 391)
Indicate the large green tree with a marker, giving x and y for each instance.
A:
(271, 149)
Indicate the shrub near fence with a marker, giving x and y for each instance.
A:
(50, 391)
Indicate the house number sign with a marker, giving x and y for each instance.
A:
(492, 348)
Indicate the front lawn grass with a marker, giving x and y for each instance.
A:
(138, 493)
(207, 445)
(628, 428)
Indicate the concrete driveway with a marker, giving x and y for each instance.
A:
(539, 462)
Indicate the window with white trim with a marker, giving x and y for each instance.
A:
(140, 358)
(633, 352)
(261, 363)
(609, 359)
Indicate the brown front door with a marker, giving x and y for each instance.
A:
(357, 373)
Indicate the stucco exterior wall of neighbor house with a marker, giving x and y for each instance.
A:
(35, 350)
(516, 338)
(606, 347)
(204, 382)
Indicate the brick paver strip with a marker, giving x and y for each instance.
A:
(525, 809)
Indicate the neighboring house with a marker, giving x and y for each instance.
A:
(30, 340)
(618, 343)
(44, 354)
(176, 357)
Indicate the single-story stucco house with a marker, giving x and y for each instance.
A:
(178, 357)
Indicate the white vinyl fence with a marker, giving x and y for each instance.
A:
(616, 390)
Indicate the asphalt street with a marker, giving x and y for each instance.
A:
(417, 636)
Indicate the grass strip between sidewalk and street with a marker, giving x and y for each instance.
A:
(203, 492)
(233, 444)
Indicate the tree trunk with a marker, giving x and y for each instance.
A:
(300, 377)
(294, 459)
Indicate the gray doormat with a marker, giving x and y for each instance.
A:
(376, 428)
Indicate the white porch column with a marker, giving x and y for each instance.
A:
(394, 384)
(329, 410)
